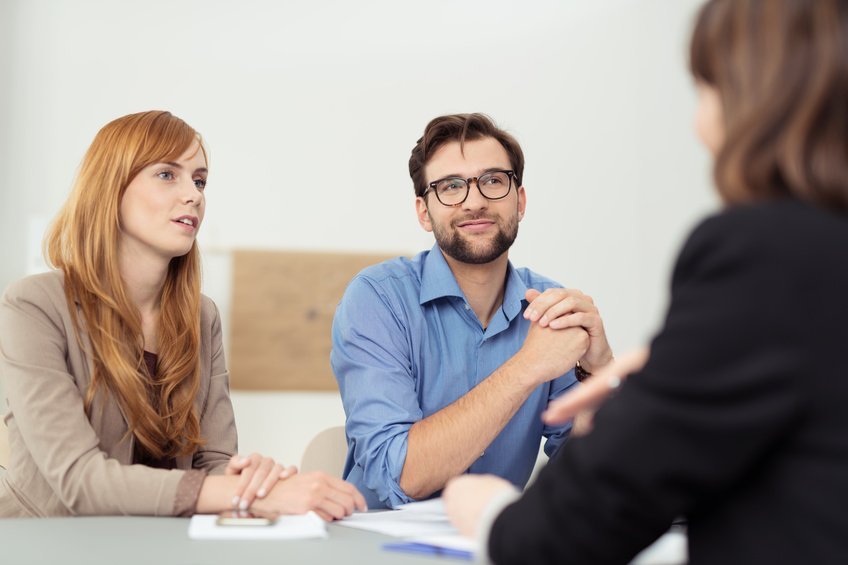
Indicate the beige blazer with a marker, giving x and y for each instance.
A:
(64, 463)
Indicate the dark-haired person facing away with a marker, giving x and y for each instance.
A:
(736, 418)
(443, 366)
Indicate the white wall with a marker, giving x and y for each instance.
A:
(10, 248)
(310, 110)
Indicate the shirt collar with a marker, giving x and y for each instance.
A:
(437, 281)
(514, 292)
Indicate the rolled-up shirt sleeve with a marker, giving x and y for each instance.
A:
(370, 359)
(556, 435)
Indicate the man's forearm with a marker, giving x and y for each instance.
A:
(446, 443)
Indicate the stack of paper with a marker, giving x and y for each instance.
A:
(423, 525)
(413, 519)
(426, 530)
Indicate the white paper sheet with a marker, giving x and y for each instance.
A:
(426, 523)
(415, 519)
(670, 549)
(303, 526)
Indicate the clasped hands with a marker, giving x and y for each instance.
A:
(268, 486)
(579, 335)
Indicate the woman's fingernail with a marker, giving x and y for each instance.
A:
(243, 505)
(243, 460)
(261, 493)
(236, 500)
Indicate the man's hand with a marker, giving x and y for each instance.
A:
(548, 353)
(583, 400)
(560, 308)
(329, 497)
(467, 496)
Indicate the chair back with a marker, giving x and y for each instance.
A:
(326, 452)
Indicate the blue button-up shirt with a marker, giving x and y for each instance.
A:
(406, 344)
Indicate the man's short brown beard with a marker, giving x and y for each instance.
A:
(457, 247)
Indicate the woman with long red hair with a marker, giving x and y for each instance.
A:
(113, 363)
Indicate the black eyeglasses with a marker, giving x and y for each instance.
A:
(453, 191)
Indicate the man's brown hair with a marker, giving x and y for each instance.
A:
(461, 128)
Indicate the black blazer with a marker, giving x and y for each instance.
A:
(739, 420)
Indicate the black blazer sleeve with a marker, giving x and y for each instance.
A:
(711, 405)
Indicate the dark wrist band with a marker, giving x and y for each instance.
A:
(581, 373)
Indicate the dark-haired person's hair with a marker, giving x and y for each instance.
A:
(781, 70)
(461, 128)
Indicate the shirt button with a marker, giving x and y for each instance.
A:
(467, 307)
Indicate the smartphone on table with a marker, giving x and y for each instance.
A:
(245, 518)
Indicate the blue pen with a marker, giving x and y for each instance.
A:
(426, 549)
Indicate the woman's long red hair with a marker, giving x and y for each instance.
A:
(84, 243)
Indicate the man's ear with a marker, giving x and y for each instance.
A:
(423, 215)
(522, 202)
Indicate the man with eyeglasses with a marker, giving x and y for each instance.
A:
(446, 361)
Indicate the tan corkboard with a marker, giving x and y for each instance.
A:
(282, 315)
